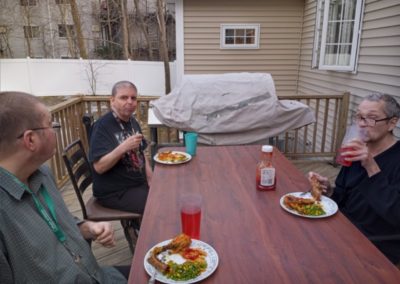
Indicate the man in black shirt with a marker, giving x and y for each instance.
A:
(368, 192)
(122, 174)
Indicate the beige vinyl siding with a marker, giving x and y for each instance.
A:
(280, 35)
(379, 56)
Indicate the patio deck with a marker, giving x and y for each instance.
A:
(121, 255)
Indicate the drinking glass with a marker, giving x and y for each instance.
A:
(352, 132)
(191, 143)
(190, 207)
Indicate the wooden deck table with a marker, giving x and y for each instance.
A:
(256, 240)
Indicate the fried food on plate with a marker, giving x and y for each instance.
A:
(304, 206)
(171, 156)
(194, 259)
(316, 190)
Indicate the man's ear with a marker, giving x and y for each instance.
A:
(392, 123)
(30, 140)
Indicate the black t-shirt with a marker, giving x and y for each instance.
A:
(127, 173)
(373, 203)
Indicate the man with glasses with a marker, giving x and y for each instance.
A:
(368, 192)
(40, 242)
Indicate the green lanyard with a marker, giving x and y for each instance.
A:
(50, 220)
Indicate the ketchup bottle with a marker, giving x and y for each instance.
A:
(265, 173)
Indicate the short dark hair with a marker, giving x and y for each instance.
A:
(18, 112)
(122, 84)
(392, 107)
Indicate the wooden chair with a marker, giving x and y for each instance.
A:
(87, 120)
(80, 173)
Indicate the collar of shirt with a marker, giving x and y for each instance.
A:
(9, 185)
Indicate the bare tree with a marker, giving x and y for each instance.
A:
(28, 30)
(78, 28)
(125, 30)
(68, 31)
(5, 49)
(163, 47)
(92, 71)
(143, 28)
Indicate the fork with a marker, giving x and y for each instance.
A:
(305, 192)
(153, 277)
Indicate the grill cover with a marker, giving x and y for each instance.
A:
(230, 109)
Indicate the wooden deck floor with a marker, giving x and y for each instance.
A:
(121, 255)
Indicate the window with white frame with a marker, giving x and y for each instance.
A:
(337, 34)
(240, 36)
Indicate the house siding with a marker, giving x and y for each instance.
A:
(378, 68)
(280, 37)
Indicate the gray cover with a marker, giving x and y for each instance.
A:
(230, 109)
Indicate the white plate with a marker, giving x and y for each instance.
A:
(188, 158)
(330, 207)
(211, 258)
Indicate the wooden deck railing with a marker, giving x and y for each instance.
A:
(317, 140)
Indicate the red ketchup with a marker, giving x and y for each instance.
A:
(265, 173)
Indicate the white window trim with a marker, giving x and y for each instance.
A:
(256, 44)
(317, 62)
(314, 62)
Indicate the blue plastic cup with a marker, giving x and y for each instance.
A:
(191, 143)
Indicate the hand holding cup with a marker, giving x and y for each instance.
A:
(132, 142)
(353, 138)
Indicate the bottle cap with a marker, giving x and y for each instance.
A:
(267, 148)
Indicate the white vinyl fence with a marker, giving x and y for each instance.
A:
(65, 77)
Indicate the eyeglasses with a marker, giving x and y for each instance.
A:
(369, 121)
(55, 125)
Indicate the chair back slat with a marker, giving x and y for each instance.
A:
(81, 173)
(78, 155)
(85, 183)
(72, 155)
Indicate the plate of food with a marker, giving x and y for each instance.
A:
(172, 157)
(181, 260)
(302, 204)
(310, 204)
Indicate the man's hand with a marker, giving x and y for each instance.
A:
(108, 161)
(131, 143)
(324, 183)
(360, 152)
(101, 232)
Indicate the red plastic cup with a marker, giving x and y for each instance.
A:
(340, 159)
(352, 132)
(190, 206)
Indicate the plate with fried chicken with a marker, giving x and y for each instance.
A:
(181, 260)
(310, 204)
(172, 157)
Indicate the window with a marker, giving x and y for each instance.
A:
(62, 30)
(337, 34)
(240, 36)
(28, 2)
(31, 31)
